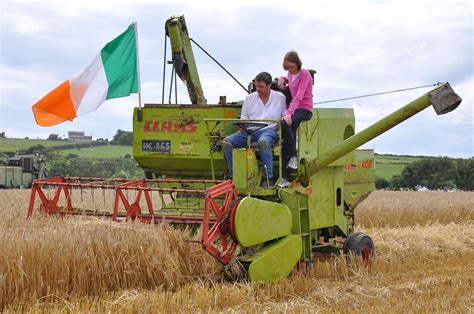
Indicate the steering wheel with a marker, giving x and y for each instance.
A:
(249, 127)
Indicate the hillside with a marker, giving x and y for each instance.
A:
(16, 144)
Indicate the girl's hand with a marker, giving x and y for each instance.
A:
(282, 82)
(287, 119)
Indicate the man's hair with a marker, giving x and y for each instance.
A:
(292, 56)
(264, 77)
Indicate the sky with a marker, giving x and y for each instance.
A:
(357, 48)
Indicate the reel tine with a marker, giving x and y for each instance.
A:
(82, 194)
(103, 195)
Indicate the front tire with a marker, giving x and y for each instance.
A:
(148, 173)
(362, 245)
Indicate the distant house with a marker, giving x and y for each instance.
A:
(77, 136)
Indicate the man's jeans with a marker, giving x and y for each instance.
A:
(289, 137)
(266, 139)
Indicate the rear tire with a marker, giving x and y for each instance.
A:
(360, 244)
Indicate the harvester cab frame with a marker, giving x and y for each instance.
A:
(259, 234)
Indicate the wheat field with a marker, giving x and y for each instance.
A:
(424, 262)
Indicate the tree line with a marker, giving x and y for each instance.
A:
(74, 166)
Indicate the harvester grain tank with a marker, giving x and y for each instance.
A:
(256, 233)
(359, 177)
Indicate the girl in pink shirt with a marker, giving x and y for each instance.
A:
(300, 84)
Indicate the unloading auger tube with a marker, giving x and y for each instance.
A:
(183, 58)
(443, 99)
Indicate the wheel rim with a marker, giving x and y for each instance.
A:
(216, 237)
(366, 257)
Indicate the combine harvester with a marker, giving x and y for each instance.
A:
(21, 170)
(257, 233)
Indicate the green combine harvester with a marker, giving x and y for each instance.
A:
(21, 170)
(258, 234)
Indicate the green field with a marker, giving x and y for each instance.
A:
(100, 151)
(387, 166)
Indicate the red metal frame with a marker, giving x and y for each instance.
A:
(133, 211)
(217, 239)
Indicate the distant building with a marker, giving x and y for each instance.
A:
(77, 136)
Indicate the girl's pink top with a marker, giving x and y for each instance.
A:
(301, 91)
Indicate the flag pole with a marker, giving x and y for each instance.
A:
(138, 67)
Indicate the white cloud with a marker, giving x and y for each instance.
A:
(357, 48)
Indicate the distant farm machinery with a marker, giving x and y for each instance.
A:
(256, 233)
(20, 171)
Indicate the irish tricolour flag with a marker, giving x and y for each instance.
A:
(112, 74)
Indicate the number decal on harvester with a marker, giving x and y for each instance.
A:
(156, 146)
(365, 164)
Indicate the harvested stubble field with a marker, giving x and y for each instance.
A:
(424, 262)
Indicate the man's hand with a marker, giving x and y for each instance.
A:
(287, 119)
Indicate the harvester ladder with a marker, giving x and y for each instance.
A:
(304, 231)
